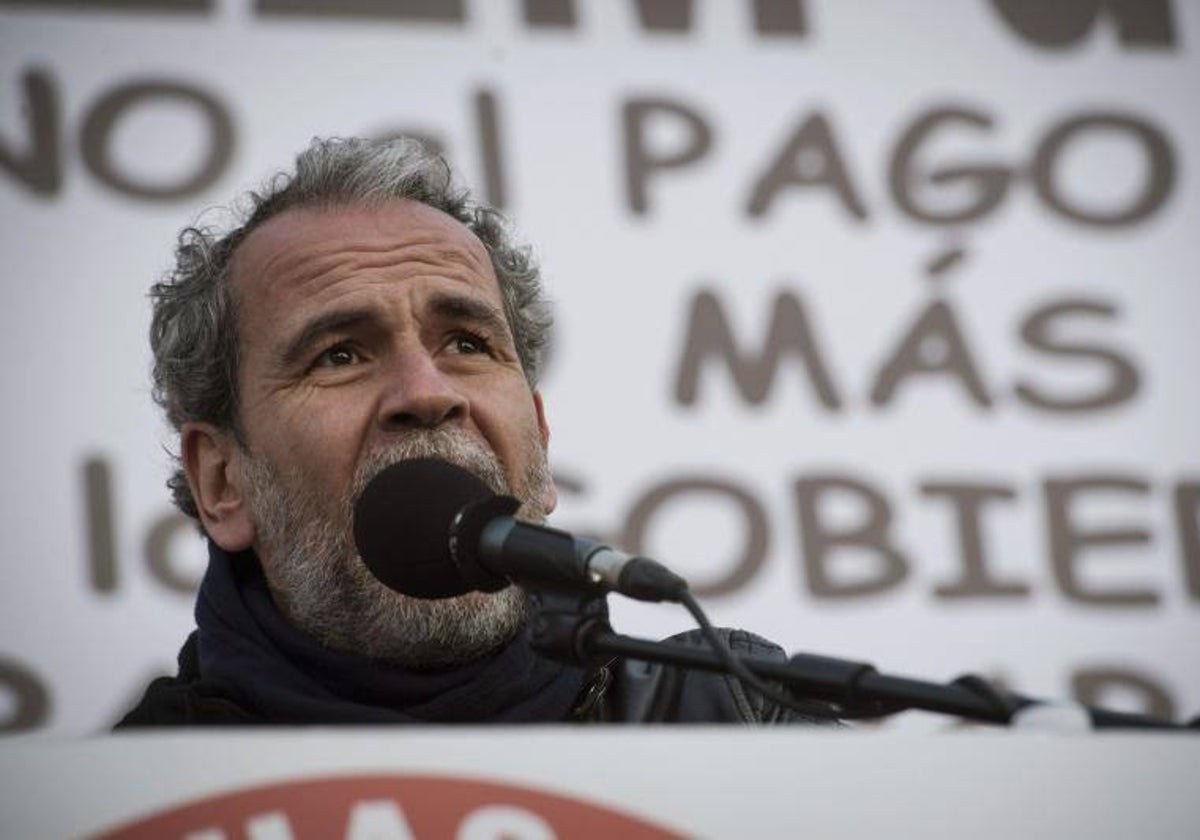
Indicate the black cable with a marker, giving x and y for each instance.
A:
(721, 648)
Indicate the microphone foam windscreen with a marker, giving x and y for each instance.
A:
(402, 525)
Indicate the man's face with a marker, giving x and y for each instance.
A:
(369, 335)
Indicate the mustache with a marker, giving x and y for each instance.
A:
(454, 446)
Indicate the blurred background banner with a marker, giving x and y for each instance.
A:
(876, 320)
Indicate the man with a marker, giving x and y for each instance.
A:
(366, 312)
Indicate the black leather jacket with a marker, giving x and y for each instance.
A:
(618, 691)
(629, 691)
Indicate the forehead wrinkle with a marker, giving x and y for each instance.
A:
(303, 267)
(296, 237)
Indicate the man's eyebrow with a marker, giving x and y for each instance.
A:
(462, 308)
(338, 320)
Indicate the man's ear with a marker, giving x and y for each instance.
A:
(550, 501)
(212, 461)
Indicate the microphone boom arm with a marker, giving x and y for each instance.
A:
(575, 629)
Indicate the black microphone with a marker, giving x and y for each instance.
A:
(429, 529)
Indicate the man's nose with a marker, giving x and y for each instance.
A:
(419, 394)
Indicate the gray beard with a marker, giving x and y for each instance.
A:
(322, 587)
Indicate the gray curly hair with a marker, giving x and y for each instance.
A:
(193, 332)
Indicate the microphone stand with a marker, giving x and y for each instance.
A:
(575, 629)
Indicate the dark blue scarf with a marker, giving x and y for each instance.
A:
(290, 678)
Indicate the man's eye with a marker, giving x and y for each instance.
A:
(469, 344)
(338, 356)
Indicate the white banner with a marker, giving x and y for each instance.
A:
(874, 320)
